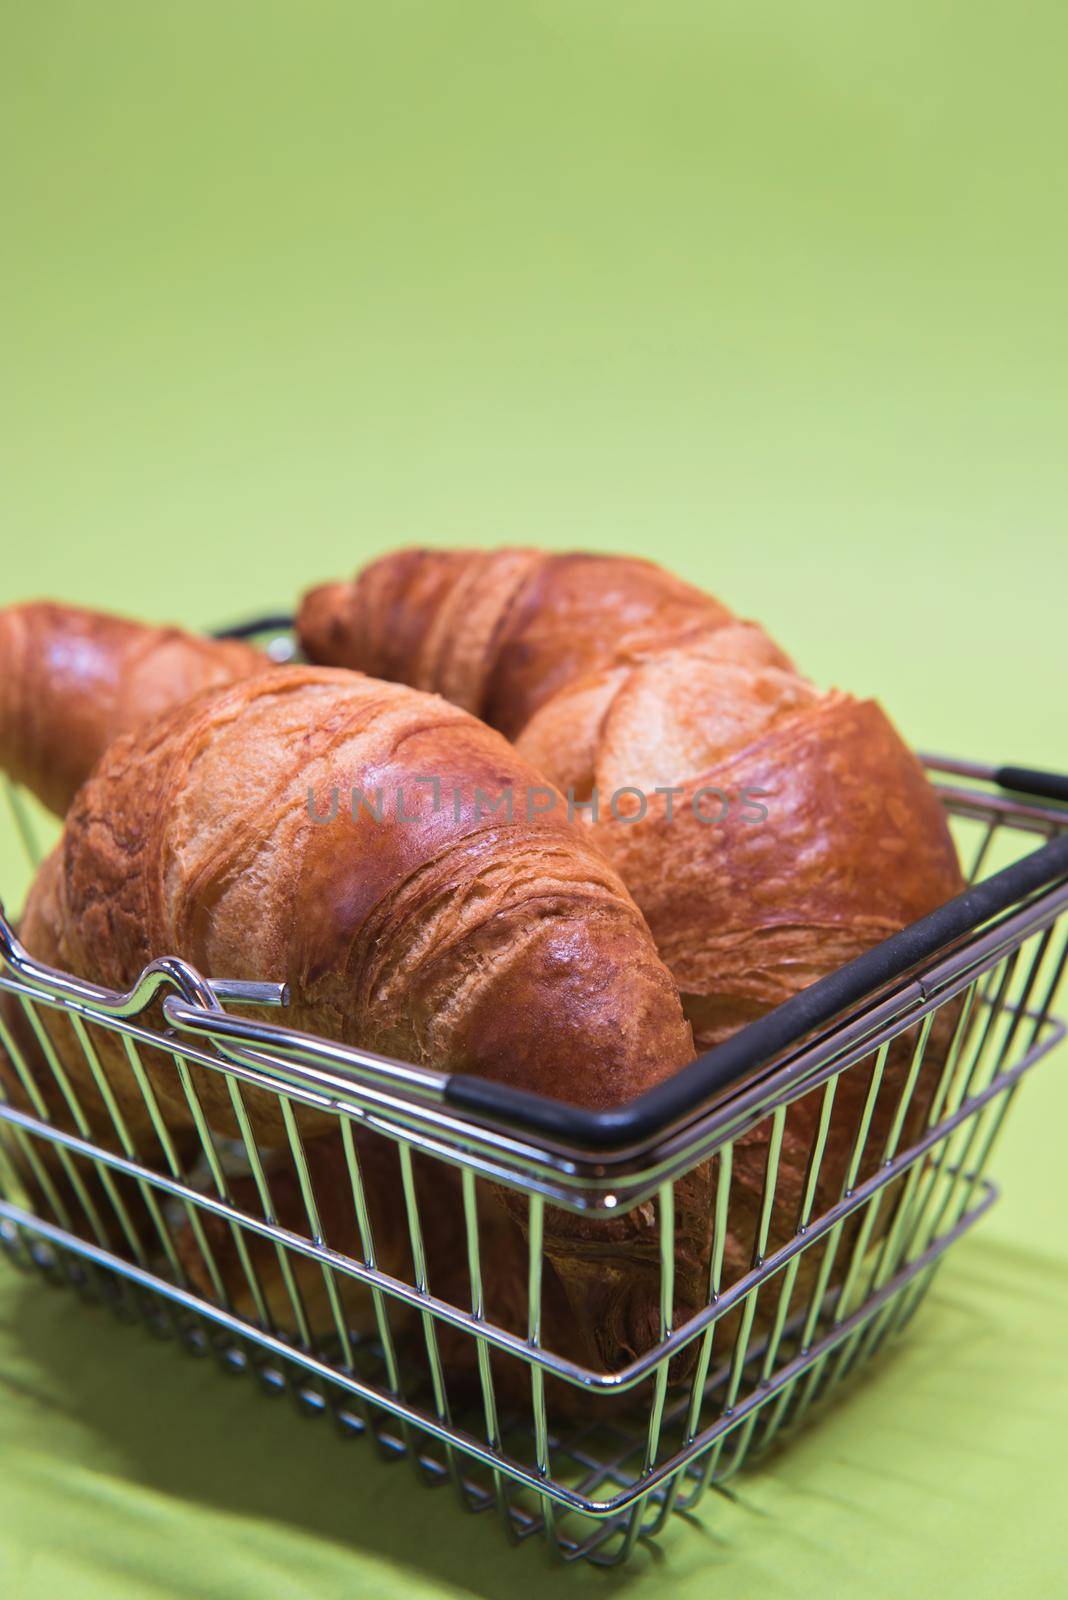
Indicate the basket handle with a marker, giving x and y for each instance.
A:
(1031, 780)
(275, 623)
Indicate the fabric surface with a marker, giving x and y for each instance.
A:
(133, 1471)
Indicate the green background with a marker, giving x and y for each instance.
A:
(774, 293)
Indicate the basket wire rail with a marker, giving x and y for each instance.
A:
(268, 1257)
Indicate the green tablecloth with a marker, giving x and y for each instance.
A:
(130, 1471)
(775, 293)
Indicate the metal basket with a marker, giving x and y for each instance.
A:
(587, 1460)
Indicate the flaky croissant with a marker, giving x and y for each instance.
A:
(792, 830)
(73, 680)
(329, 831)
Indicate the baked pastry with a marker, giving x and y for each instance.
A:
(500, 631)
(73, 680)
(285, 828)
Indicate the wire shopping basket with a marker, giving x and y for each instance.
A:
(428, 1324)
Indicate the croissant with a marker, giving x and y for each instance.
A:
(769, 832)
(404, 918)
(72, 680)
(498, 632)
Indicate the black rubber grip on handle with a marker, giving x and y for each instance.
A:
(249, 630)
(1030, 780)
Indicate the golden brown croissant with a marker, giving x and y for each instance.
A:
(72, 680)
(436, 932)
(792, 829)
